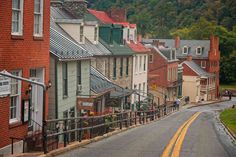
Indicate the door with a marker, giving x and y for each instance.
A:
(36, 106)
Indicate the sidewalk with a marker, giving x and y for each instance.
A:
(191, 105)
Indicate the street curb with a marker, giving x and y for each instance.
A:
(228, 129)
(206, 104)
(77, 144)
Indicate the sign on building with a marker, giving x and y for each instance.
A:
(4, 86)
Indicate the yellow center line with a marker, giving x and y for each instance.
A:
(180, 140)
(176, 135)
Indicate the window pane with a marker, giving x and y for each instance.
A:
(16, 4)
(37, 6)
(13, 107)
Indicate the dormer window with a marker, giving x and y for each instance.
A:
(185, 50)
(173, 54)
(95, 34)
(199, 50)
(128, 32)
(81, 33)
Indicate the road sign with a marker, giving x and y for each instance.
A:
(4, 86)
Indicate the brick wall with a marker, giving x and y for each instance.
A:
(23, 54)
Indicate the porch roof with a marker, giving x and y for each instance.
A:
(100, 84)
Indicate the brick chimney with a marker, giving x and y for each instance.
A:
(118, 14)
(139, 39)
(76, 7)
(214, 43)
(177, 42)
(189, 58)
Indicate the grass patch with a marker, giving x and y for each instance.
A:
(227, 86)
(228, 117)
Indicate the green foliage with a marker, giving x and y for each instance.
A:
(228, 117)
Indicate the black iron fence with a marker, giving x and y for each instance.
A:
(61, 132)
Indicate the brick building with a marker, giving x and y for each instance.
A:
(205, 53)
(24, 51)
(162, 73)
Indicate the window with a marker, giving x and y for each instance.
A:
(127, 66)
(121, 67)
(17, 17)
(79, 80)
(144, 64)
(151, 58)
(203, 64)
(140, 63)
(168, 74)
(136, 64)
(95, 34)
(173, 53)
(81, 33)
(15, 95)
(144, 86)
(64, 79)
(114, 68)
(38, 17)
(185, 50)
(199, 51)
(128, 32)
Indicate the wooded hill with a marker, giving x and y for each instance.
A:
(189, 19)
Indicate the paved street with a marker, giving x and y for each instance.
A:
(204, 138)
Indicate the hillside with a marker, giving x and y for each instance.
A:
(160, 17)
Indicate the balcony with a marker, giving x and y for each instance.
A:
(207, 87)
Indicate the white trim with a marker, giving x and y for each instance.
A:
(199, 47)
(203, 64)
(21, 18)
(40, 20)
(185, 47)
(18, 103)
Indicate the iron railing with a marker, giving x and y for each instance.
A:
(60, 132)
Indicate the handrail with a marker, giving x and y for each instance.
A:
(12, 143)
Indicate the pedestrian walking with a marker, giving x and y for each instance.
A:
(230, 95)
(177, 103)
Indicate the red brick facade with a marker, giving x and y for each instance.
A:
(21, 53)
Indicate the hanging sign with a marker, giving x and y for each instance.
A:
(4, 86)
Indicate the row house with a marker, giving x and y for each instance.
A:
(128, 31)
(202, 83)
(162, 73)
(205, 53)
(24, 52)
(81, 51)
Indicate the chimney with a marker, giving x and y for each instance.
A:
(189, 58)
(212, 42)
(177, 42)
(155, 43)
(118, 15)
(56, 3)
(139, 38)
(76, 7)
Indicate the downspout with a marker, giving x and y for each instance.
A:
(56, 88)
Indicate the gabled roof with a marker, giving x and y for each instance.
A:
(62, 45)
(100, 84)
(197, 69)
(193, 44)
(64, 48)
(117, 49)
(95, 49)
(102, 16)
(138, 47)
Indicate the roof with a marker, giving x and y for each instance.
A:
(64, 48)
(102, 16)
(100, 84)
(95, 49)
(197, 69)
(193, 44)
(106, 19)
(117, 49)
(62, 45)
(138, 47)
